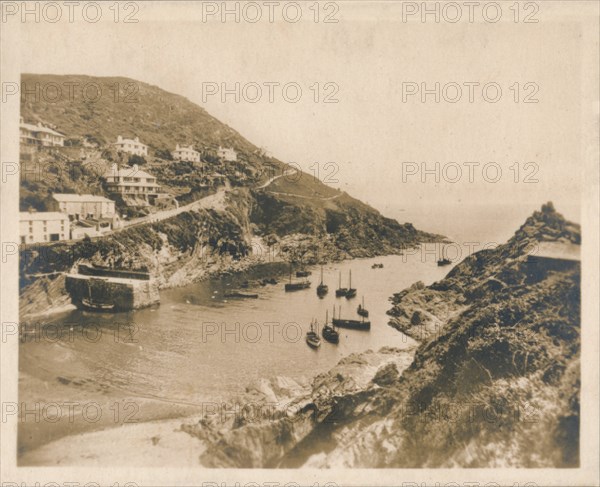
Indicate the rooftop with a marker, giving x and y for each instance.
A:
(121, 140)
(40, 128)
(128, 172)
(558, 250)
(42, 215)
(83, 198)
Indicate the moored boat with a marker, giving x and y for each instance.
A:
(351, 292)
(241, 295)
(322, 289)
(329, 332)
(89, 305)
(443, 262)
(296, 286)
(361, 310)
(312, 336)
(340, 292)
(351, 324)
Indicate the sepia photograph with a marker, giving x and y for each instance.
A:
(323, 243)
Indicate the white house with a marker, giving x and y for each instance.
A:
(227, 154)
(132, 146)
(186, 154)
(85, 206)
(39, 135)
(132, 181)
(47, 226)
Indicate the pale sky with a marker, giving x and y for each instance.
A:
(370, 132)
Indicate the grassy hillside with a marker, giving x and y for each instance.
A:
(160, 119)
(294, 203)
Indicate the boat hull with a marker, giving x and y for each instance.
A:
(88, 305)
(241, 295)
(313, 340)
(330, 335)
(352, 324)
(297, 286)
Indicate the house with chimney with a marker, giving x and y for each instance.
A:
(182, 153)
(131, 146)
(43, 226)
(136, 187)
(89, 215)
(39, 135)
(85, 206)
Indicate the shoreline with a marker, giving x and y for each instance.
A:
(180, 440)
(251, 270)
(235, 268)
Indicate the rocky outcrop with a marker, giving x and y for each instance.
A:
(495, 384)
(269, 425)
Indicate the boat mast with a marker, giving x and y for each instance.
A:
(350, 284)
(321, 275)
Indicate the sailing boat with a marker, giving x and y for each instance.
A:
(352, 324)
(90, 305)
(322, 289)
(361, 310)
(296, 286)
(341, 291)
(312, 336)
(351, 293)
(443, 261)
(329, 332)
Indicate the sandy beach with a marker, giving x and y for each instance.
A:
(131, 445)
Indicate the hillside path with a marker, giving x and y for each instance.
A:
(216, 201)
(288, 172)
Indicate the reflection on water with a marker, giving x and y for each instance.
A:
(198, 344)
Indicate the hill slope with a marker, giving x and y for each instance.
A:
(160, 119)
(336, 224)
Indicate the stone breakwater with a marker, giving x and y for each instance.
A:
(123, 294)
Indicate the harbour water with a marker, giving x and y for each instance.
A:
(198, 346)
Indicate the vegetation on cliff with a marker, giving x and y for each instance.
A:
(495, 384)
(314, 222)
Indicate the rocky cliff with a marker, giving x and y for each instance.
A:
(494, 383)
